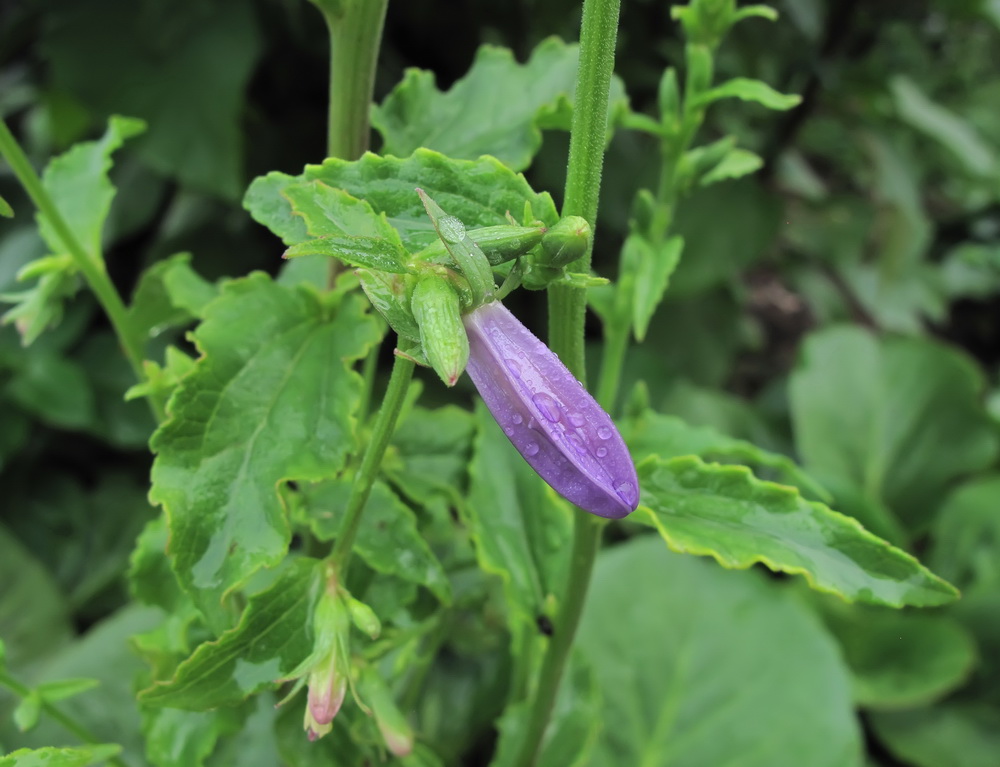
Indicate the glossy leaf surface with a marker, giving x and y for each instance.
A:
(478, 192)
(725, 512)
(494, 109)
(272, 399)
(870, 418)
(274, 636)
(669, 682)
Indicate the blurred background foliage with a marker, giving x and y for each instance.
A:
(878, 206)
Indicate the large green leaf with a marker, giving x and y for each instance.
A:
(180, 65)
(948, 735)
(479, 192)
(520, 528)
(891, 421)
(109, 711)
(388, 539)
(49, 756)
(725, 512)
(495, 109)
(177, 738)
(698, 666)
(272, 399)
(900, 659)
(650, 433)
(274, 636)
(34, 615)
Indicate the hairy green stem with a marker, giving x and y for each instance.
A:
(385, 424)
(567, 307)
(91, 267)
(65, 720)
(355, 28)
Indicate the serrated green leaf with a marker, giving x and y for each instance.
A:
(521, 530)
(327, 210)
(870, 417)
(650, 433)
(653, 267)
(272, 399)
(954, 734)
(274, 636)
(900, 659)
(388, 539)
(169, 294)
(747, 89)
(478, 192)
(183, 68)
(727, 513)
(177, 738)
(953, 132)
(738, 163)
(78, 184)
(434, 447)
(377, 253)
(498, 108)
(50, 756)
(698, 666)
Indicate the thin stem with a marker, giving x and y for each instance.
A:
(385, 424)
(616, 341)
(567, 307)
(355, 28)
(91, 267)
(65, 720)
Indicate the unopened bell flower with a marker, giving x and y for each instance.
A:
(548, 415)
(327, 687)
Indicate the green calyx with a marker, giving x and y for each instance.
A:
(565, 242)
(499, 244)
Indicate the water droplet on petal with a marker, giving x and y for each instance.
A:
(601, 452)
(577, 443)
(508, 430)
(547, 406)
(531, 449)
(577, 419)
(513, 367)
(516, 419)
(604, 432)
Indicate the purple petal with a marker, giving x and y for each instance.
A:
(549, 417)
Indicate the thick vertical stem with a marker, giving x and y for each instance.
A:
(355, 35)
(567, 307)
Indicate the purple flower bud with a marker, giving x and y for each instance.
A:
(548, 416)
(327, 687)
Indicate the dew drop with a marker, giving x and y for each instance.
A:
(547, 406)
(513, 367)
(508, 430)
(531, 449)
(604, 432)
(516, 419)
(577, 419)
(626, 491)
(577, 443)
(533, 424)
(601, 452)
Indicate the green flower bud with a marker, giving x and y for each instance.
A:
(364, 618)
(498, 243)
(565, 242)
(437, 310)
